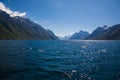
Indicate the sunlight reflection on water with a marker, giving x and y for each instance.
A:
(60, 60)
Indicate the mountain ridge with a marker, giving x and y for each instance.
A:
(21, 28)
(103, 33)
(79, 35)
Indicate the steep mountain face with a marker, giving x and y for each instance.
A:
(52, 34)
(79, 35)
(21, 28)
(96, 32)
(106, 33)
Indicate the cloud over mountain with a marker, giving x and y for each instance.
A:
(10, 12)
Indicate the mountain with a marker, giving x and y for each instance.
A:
(97, 31)
(64, 38)
(80, 35)
(21, 28)
(52, 34)
(106, 33)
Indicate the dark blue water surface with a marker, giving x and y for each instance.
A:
(59, 60)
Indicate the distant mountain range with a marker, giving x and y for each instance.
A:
(22, 28)
(106, 33)
(80, 35)
(100, 33)
(65, 37)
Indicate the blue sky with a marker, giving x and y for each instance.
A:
(64, 17)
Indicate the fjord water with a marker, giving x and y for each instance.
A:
(59, 60)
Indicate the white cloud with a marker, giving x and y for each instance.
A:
(10, 12)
